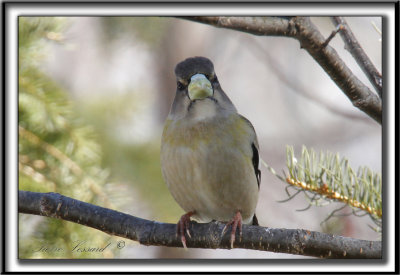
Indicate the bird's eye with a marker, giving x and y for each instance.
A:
(180, 85)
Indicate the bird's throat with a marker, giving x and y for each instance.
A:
(202, 109)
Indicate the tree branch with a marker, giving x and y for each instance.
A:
(302, 29)
(362, 59)
(292, 241)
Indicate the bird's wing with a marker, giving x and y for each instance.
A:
(255, 148)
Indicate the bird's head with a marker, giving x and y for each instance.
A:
(198, 94)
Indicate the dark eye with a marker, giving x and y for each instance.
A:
(214, 80)
(180, 85)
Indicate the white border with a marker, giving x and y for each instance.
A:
(51, 9)
(130, 9)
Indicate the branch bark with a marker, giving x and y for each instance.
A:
(302, 29)
(292, 241)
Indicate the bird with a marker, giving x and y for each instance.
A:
(209, 152)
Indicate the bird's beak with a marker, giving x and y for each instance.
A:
(200, 87)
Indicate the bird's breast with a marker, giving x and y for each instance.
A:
(208, 167)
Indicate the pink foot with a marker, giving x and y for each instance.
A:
(182, 226)
(235, 222)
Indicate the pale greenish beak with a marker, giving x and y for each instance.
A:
(200, 87)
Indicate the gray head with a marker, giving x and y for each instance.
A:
(194, 65)
(198, 94)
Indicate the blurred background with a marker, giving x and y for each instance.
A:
(93, 96)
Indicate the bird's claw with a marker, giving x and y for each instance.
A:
(235, 222)
(188, 233)
(182, 226)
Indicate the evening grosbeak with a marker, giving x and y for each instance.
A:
(209, 152)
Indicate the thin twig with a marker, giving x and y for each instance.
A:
(362, 59)
(339, 27)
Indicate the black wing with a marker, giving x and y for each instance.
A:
(256, 160)
(256, 157)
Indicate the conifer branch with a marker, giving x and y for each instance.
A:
(330, 178)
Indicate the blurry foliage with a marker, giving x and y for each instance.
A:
(58, 151)
(148, 29)
(137, 163)
(64, 147)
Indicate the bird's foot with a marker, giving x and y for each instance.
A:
(235, 222)
(182, 226)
